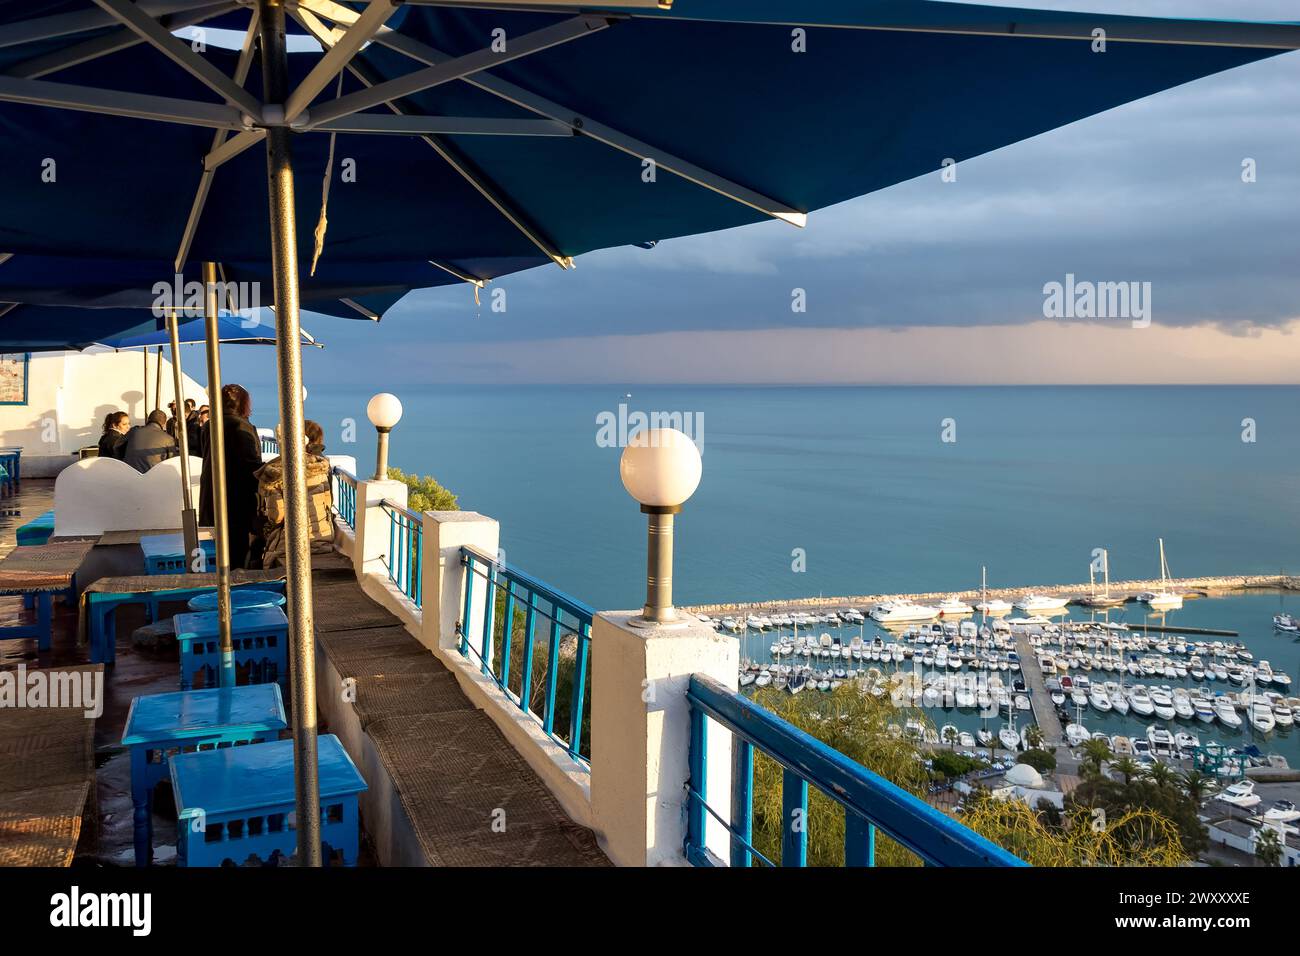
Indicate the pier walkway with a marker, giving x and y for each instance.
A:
(1039, 699)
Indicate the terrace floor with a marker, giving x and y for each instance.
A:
(457, 777)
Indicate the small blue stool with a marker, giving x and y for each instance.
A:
(237, 803)
(259, 637)
(159, 726)
(240, 600)
(165, 553)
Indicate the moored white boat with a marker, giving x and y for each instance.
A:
(1032, 603)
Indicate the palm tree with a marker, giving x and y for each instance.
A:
(1095, 753)
(950, 734)
(1160, 774)
(1127, 767)
(1196, 784)
(1268, 849)
(1034, 736)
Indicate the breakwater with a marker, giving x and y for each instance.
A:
(1207, 586)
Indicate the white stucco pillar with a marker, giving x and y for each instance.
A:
(640, 736)
(370, 551)
(443, 585)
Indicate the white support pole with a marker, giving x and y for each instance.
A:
(641, 735)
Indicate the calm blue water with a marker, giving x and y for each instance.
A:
(859, 479)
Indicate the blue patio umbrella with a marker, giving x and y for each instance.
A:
(36, 328)
(482, 137)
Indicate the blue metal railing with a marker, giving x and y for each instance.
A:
(500, 600)
(345, 496)
(270, 445)
(870, 801)
(405, 549)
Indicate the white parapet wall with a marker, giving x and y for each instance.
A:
(69, 393)
(104, 494)
(634, 793)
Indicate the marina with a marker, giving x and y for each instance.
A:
(1215, 672)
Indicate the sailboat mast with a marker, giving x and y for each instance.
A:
(1105, 570)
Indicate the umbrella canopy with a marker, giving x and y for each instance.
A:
(577, 131)
(230, 331)
(44, 328)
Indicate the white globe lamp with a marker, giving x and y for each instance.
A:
(384, 411)
(660, 468)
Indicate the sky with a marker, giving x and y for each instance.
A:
(927, 281)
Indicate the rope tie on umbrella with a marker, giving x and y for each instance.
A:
(323, 222)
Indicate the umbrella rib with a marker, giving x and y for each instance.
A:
(455, 68)
(462, 166)
(89, 99)
(611, 137)
(179, 53)
(420, 125)
(242, 67)
(65, 24)
(120, 39)
(337, 56)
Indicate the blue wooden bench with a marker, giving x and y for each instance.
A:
(234, 805)
(100, 601)
(38, 573)
(38, 530)
(159, 726)
(259, 637)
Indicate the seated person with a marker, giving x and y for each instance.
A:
(148, 444)
(112, 444)
(271, 509)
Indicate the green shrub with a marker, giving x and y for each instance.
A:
(946, 763)
(424, 493)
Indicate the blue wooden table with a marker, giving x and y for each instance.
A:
(234, 804)
(239, 600)
(101, 606)
(165, 554)
(159, 726)
(259, 637)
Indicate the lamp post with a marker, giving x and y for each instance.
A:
(660, 468)
(384, 412)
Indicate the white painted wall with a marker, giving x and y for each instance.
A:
(68, 395)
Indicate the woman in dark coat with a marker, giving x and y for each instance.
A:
(112, 444)
(243, 459)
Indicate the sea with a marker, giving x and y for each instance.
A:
(831, 491)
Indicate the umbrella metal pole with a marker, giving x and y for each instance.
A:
(189, 521)
(217, 451)
(157, 382)
(293, 450)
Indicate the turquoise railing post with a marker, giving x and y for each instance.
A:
(489, 613)
(345, 496)
(859, 841)
(526, 678)
(469, 605)
(794, 823)
(869, 801)
(698, 781)
(507, 631)
(579, 689)
(742, 799)
(552, 674)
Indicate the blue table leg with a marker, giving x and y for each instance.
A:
(142, 798)
(44, 621)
